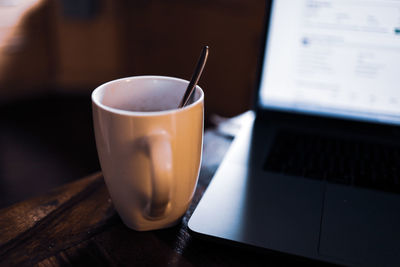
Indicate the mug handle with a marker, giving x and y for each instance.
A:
(161, 174)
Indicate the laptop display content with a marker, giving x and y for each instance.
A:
(334, 57)
(325, 189)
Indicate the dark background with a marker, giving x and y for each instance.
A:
(53, 53)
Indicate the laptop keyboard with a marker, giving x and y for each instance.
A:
(343, 161)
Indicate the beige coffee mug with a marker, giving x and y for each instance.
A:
(149, 150)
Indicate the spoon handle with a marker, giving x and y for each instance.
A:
(195, 77)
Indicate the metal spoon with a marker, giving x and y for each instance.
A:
(195, 77)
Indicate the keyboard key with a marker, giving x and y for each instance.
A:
(336, 160)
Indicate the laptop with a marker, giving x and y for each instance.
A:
(317, 172)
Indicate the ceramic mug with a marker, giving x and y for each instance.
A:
(149, 149)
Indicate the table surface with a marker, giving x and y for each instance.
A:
(77, 224)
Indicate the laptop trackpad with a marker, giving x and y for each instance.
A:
(361, 226)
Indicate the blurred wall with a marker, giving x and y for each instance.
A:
(88, 46)
(71, 53)
(26, 49)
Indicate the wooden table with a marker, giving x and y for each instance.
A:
(76, 224)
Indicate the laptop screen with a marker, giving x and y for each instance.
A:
(337, 58)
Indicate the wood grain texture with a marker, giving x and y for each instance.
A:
(76, 225)
(22, 216)
(40, 228)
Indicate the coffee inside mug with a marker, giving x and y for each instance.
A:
(144, 93)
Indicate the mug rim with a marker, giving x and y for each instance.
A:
(96, 101)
